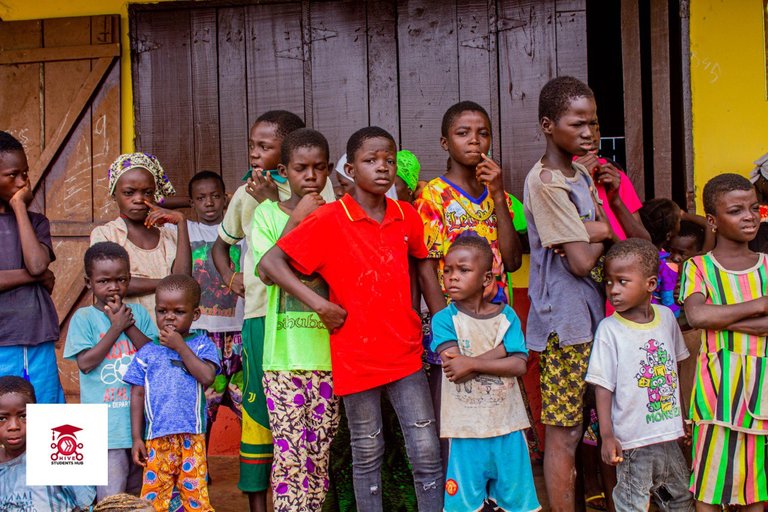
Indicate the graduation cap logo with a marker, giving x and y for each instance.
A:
(65, 444)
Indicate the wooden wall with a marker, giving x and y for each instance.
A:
(203, 73)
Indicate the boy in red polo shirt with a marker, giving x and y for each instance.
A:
(361, 245)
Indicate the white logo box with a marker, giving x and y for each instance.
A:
(67, 444)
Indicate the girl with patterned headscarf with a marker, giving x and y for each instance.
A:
(138, 183)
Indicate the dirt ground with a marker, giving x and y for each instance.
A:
(225, 497)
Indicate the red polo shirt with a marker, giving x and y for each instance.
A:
(366, 266)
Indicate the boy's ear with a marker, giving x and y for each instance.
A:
(546, 125)
(487, 278)
(196, 314)
(87, 282)
(444, 143)
(282, 170)
(653, 282)
(350, 170)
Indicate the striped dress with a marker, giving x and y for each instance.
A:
(729, 403)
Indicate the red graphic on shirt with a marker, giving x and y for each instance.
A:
(451, 487)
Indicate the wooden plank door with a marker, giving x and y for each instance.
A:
(63, 104)
(342, 64)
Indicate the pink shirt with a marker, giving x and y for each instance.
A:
(628, 197)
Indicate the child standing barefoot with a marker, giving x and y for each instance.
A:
(725, 294)
(137, 182)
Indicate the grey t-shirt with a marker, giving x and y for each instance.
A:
(561, 302)
(27, 314)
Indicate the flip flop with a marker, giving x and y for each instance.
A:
(595, 506)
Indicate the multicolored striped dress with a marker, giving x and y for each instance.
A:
(729, 403)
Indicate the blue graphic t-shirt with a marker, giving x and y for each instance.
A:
(104, 384)
(17, 496)
(174, 401)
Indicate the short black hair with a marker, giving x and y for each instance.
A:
(302, 138)
(456, 110)
(471, 240)
(660, 217)
(14, 384)
(556, 96)
(643, 251)
(285, 122)
(690, 229)
(720, 185)
(206, 175)
(183, 283)
(357, 139)
(9, 143)
(104, 251)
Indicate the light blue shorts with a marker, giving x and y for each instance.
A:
(38, 365)
(497, 468)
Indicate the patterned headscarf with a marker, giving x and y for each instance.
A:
(761, 169)
(408, 168)
(128, 161)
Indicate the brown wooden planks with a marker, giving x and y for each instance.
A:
(59, 54)
(339, 89)
(205, 90)
(274, 59)
(571, 40)
(478, 80)
(526, 62)
(570, 5)
(164, 86)
(660, 93)
(633, 95)
(68, 182)
(20, 103)
(429, 77)
(105, 145)
(233, 102)
(382, 67)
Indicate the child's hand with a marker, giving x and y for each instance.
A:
(489, 173)
(332, 315)
(457, 367)
(171, 339)
(139, 453)
(591, 161)
(688, 437)
(611, 451)
(48, 280)
(608, 176)
(237, 285)
(120, 315)
(158, 216)
(307, 205)
(261, 187)
(23, 196)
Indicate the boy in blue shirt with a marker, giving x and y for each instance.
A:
(169, 377)
(483, 351)
(103, 338)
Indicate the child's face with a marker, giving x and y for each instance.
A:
(573, 132)
(469, 137)
(343, 186)
(403, 192)
(108, 279)
(13, 423)
(682, 248)
(264, 146)
(208, 201)
(374, 165)
(133, 190)
(174, 309)
(626, 286)
(13, 173)
(463, 275)
(737, 215)
(306, 171)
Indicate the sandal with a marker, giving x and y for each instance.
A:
(595, 503)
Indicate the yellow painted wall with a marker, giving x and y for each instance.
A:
(15, 10)
(728, 87)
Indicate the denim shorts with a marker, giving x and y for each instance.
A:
(656, 471)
